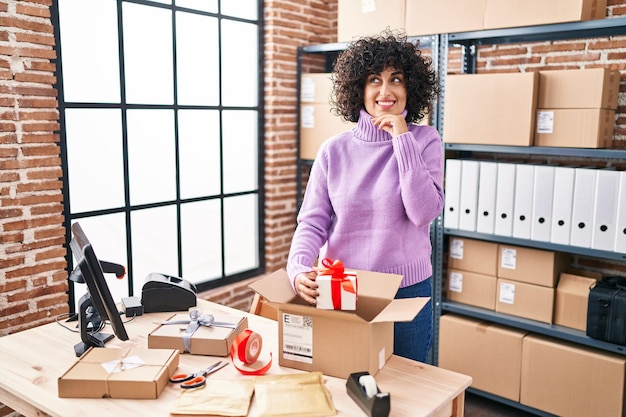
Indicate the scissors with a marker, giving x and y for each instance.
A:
(196, 379)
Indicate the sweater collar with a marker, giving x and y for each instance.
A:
(366, 131)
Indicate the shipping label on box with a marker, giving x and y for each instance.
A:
(119, 373)
(575, 128)
(473, 255)
(532, 266)
(203, 335)
(297, 342)
(521, 299)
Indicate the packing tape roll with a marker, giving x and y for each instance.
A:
(369, 384)
(245, 350)
(249, 347)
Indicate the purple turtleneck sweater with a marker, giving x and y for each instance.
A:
(369, 202)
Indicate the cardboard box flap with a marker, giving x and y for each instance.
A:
(402, 309)
(378, 284)
(275, 287)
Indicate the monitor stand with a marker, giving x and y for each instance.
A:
(89, 320)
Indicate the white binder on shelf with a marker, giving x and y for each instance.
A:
(452, 194)
(485, 213)
(543, 190)
(523, 202)
(469, 194)
(582, 207)
(605, 210)
(620, 233)
(505, 197)
(562, 205)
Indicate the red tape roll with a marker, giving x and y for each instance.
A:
(246, 349)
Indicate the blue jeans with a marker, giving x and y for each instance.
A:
(413, 339)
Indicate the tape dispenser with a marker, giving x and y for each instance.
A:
(362, 388)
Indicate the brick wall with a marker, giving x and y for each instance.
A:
(33, 280)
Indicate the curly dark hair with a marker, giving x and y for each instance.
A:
(372, 55)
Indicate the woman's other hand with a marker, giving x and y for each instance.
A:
(306, 287)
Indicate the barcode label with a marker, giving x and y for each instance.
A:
(297, 337)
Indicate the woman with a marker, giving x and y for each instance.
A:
(374, 190)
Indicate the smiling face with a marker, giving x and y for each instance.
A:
(385, 93)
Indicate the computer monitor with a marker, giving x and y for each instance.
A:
(97, 306)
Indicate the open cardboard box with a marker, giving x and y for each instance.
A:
(338, 343)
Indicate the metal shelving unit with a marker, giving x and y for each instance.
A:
(469, 42)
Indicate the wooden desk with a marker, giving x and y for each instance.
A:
(32, 361)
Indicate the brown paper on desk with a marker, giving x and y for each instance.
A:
(302, 395)
(217, 398)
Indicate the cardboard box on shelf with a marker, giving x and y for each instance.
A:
(356, 18)
(533, 266)
(572, 297)
(318, 123)
(473, 255)
(119, 373)
(211, 340)
(427, 17)
(471, 288)
(525, 300)
(575, 128)
(338, 343)
(515, 13)
(491, 354)
(593, 88)
(504, 115)
(569, 380)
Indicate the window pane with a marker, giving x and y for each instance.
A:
(197, 56)
(245, 9)
(148, 54)
(90, 55)
(95, 162)
(240, 145)
(107, 234)
(151, 156)
(202, 5)
(201, 241)
(154, 243)
(240, 64)
(241, 233)
(199, 152)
